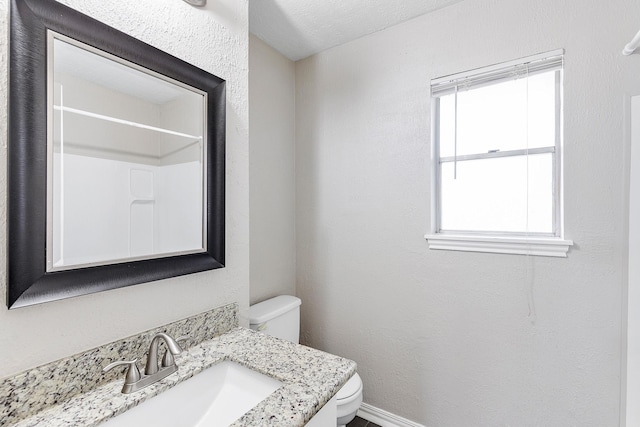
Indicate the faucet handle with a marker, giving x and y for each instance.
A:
(133, 373)
(168, 359)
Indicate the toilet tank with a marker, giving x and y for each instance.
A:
(279, 317)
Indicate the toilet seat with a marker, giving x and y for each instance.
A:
(348, 400)
(350, 390)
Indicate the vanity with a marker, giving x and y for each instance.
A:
(116, 170)
(75, 391)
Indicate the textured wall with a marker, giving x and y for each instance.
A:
(216, 39)
(453, 338)
(633, 294)
(272, 171)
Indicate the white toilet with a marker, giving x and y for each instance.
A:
(280, 317)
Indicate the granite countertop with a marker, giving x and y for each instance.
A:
(310, 379)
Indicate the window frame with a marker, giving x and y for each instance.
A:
(530, 243)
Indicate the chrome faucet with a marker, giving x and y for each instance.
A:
(134, 380)
(152, 356)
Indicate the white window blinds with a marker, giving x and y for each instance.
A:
(525, 67)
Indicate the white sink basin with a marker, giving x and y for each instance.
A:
(215, 397)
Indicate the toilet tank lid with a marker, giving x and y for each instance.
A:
(272, 308)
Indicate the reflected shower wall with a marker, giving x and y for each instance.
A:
(116, 210)
(127, 173)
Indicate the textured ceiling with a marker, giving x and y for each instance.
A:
(300, 28)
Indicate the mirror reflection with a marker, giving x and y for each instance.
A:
(125, 160)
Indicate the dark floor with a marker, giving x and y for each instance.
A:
(359, 422)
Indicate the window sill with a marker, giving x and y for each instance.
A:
(537, 246)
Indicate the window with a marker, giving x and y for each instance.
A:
(497, 135)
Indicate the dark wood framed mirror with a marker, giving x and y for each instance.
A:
(116, 159)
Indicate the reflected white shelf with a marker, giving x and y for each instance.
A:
(123, 122)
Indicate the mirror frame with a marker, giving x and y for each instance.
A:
(28, 282)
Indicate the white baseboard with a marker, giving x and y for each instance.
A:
(384, 418)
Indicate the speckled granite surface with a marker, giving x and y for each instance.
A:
(39, 388)
(310, 379)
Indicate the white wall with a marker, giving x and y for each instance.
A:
(213, 38)
(632, 383)
(452, 338)
(272, 114)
